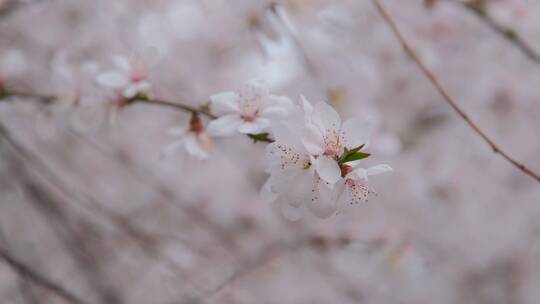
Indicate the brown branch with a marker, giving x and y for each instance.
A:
(11, 6)
(446, 96)
(49, 99)
(6, 95)
(178, 106)
(507, 33)
(28, 273)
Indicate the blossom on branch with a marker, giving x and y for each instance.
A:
(129, 78)
(193, 138)
(250, 110)
(313, 163)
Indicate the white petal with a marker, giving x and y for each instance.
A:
(337, 191)
(254, 93)
(274, 112)
(290, 212)
(378, 169)
(266, 193)
(307, 108)
(285, 160)
(328, 169)
(178, 131)
(122, 63)
(312, 140)
(224, 103)
(326, 117)
(358, 174)
(112, 79)
(225, 125)
(356, 132)
(288, 135)
(194, 148)
(135, 88)
(356, 192)
(144, 85)
(321, 204)
(296, 191)
(255, 127)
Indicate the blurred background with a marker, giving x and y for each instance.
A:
(90, 212)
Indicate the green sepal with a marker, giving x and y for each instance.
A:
(352, 156)
(262, 137)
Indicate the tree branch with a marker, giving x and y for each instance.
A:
(178, 106)
(11, 6)
(27, 272)
(446, 96)
(46, 99)
(507, 33)
(49, 99)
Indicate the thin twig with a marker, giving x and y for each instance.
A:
(508, 33)
(48, 99)
(433, 79)
(174, 105)
(27, 272)
(6, 95)
(9, 7)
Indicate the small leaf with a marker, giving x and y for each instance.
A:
(348, 152)
(206, 107)
(353, 150)
(263, 137)
(354, 156)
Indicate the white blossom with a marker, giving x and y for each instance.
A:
(129, 77)
(193, 138)
(293, 180)
(354, 189)
(250, 110)
(327, 138)
(307, 166)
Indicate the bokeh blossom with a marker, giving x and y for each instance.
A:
(129, 77)
(193, 138)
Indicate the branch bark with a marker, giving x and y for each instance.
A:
(446, 96)
(505, 32)
(27, 272)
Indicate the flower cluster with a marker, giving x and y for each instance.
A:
(313, 158)
(314, 163)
